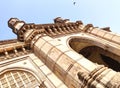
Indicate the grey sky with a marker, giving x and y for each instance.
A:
(101, 13)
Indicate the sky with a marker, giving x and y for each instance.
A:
(101, 13)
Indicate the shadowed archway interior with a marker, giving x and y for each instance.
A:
(95, 53)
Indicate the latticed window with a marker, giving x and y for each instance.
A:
(18, 79)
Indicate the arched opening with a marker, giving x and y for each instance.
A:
(95, 53)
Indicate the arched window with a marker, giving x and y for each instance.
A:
(18, 79)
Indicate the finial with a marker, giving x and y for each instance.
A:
(15, 24)
(60, 20)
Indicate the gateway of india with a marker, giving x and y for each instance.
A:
(62, 54)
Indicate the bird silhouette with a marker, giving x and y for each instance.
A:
(74, 3)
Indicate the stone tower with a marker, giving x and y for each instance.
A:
(62, 54)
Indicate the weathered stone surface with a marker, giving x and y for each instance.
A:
(60, 55)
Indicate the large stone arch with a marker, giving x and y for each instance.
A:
(95, 51)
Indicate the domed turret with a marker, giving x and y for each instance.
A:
(15, 24)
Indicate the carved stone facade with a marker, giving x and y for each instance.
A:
(62, 54)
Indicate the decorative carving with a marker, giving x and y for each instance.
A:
(60, 20)
(8, 41)
(79, 23)
(91, 80)
(12, 50)
(87, 27)
(61, 26)
(106, 29)
(18, 79)
(114, 82)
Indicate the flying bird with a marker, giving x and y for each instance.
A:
(74, 3)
